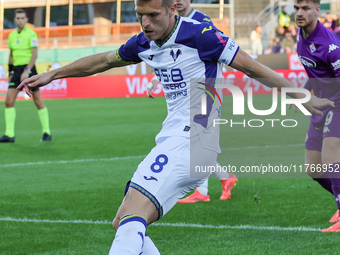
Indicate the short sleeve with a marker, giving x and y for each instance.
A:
(128, 52)
(213, 45)
(34, 40)
(334, 58)
(9, 42)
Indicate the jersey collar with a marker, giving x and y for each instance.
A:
(310, 37)
(169, 35)
(192, 10)
(21, 30)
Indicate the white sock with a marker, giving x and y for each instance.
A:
(149, 247)
(129, 239)
(203, 189)
(220, 174)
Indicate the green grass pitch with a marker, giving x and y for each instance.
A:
(60, 197)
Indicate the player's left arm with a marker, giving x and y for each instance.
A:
(225, 50)
(244, 63)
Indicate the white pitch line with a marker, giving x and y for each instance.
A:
(182, 225)
(262, 147)
(71, 161)
(136, 157)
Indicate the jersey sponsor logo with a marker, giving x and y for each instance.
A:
(332, 48)
(151, 57)
(206, 29)
(186, 129)
(177, 94)
(312, 47)
(307, 62)
(336, 65)
(207, 20)
(175, 56)
(174, 86)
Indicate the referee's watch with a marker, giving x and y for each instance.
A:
(28, 70)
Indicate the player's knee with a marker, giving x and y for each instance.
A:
(115, 223)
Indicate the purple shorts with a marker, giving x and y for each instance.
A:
(329, 128)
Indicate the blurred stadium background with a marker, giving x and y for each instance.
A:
(88, 26)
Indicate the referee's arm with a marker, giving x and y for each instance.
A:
(33, 58)
(10, 65)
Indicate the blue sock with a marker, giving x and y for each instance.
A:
(129, 239)
(335, 178)
(325, 182)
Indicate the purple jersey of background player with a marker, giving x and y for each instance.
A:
(320, 55)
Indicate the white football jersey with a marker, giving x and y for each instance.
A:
(192, 51)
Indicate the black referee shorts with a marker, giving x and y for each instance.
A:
(18, 70)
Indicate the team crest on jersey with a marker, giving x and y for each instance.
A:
(175, 55)
(312, 47)
(18, 41)
(332, 47)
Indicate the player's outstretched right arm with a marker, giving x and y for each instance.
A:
(82, 67)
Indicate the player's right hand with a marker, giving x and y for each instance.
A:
(316, 103)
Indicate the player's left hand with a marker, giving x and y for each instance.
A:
(316, 103)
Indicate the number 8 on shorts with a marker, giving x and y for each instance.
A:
(161, 160)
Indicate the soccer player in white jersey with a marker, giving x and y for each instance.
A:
(178, 50)
(228, 180)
